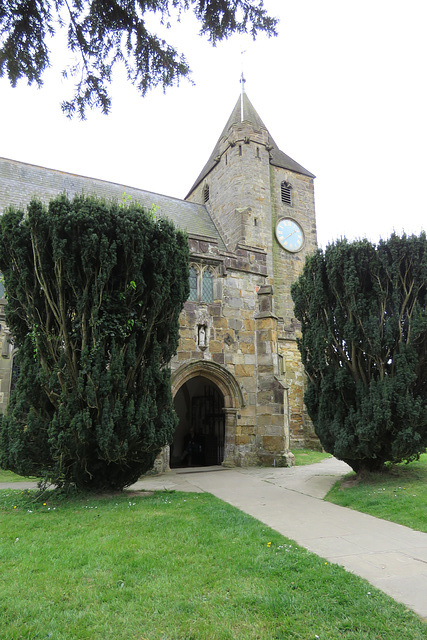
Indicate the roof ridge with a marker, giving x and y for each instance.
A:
(44, 183)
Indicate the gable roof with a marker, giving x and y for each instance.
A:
(277, 157)
(20, 182)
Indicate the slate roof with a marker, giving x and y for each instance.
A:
(278, 158)
(20, 182)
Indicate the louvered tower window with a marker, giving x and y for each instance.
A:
(285, 189)
(193, 284)
(206, 194)
(207, 286)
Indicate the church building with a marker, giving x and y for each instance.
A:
(237, 378)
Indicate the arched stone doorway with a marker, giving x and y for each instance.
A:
(199, 438)
(207, 400)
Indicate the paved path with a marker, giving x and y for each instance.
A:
(390, 556)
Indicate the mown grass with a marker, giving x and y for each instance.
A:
(399, 494)
(174, 566)
(309, 456)
(9, 476)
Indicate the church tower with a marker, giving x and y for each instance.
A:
(262, 203)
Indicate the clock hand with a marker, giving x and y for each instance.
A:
(288, 236)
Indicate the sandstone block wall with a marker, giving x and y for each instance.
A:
(239, 190)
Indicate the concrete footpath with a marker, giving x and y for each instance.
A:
(390, 556)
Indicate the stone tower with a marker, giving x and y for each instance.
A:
(262, 203)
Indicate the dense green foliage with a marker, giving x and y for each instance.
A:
(101, 33)
(94, 295)
(363, 318)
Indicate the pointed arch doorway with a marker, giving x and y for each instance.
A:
(199, 438)
(207, 400)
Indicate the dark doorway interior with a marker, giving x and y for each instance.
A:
(199, 438)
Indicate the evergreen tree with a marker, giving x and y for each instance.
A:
(101, 33)
(94, 294)
(363, 319)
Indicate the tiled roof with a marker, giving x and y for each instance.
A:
(20, 182)
(278, 158)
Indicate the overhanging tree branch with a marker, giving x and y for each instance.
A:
(107, 32)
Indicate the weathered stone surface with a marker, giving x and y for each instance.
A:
(247, 347)
(215, 346)
(244, 371)
(273, 443)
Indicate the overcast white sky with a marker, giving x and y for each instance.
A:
(342, 90)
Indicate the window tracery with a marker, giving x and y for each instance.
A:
(193, 284)
(207, 286)
(201, 280)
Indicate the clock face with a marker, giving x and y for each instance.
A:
(290, 235)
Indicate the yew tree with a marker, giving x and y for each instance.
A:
(101, 34)
(94, 291)
(363, 319)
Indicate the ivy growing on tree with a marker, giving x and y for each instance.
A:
(94, 294)
(101, 33)
(363, 319)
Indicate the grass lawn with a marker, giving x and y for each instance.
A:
(308, 456)
(9, 476)
(174, 566)
(399, 494)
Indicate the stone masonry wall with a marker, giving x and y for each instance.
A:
(287, 268)
(239, 190)
(243, 341)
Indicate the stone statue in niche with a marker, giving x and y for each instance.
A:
(202, 336)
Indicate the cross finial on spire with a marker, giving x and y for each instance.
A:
(242, 80)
